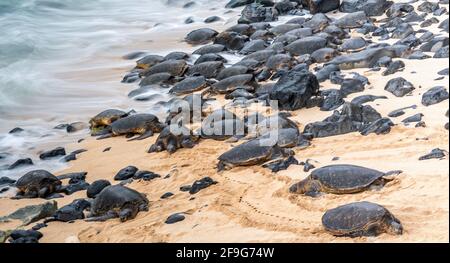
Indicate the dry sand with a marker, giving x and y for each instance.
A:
(251, 204)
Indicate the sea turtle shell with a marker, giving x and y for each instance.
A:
(136, 123)
(106, 117)
(248, 153)
(189, 85)
(115, 197)
(344, 178)
(36, 180)
(360, 219)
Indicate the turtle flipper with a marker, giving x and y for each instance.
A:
(107, 216)
(127, 213)
(143, 136)
(394, 172)
(106, 136)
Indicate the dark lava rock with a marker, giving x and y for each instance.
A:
(59, 151)
(73, 177)
(324, 73)
(175, 218)
(442, 52)
(212, 19)
(307, 166)
(72, 211)
(254, 13)
(16, 130)
(294, 89)
(349, 86)
(145, 175)
(73, 188)
(21, 163)
(415, 118)
(166, 195)
(231, 40)
(96, 187)
(185, 188)
(399, 87)
(284, 7)
(394, 67)
(381, 126)
(402, 31)
(25, 235)
(434, 154)
(126, 173)
(201, 184)
(428, 7)
(360, 100)
(321, 6)
(333, 100)
(370, 7)
(238, 3)
(434, 96)
(443, 72)
(6, 181)
(280, 165)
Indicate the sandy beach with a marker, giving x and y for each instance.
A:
(252, 204)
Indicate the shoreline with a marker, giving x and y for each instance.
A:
(252, 204)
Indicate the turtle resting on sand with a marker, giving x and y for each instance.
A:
(143, 124)
(340, 179)
(104, 119)
(117, 201)
(37, 183)
(361, 219)
(170, 141)
(253, 152)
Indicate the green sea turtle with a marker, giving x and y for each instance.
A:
(189, 85)
(37, 183)
(175, 68)
(117, 201)
(143, 124)
(173, 138)
(149, 61)
(250, 153)
(232, 83)
(341, 179)
(223, 129)
(104, 119)
(361, 219)
(285, 138)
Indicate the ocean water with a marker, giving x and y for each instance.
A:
(61, 62)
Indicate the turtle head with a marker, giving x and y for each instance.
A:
(308, 187)
(395, 228)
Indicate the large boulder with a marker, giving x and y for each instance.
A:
(294, 89)
(321, 6)
(238, 3)
(434, 96)
(370, 7)
(399, 87)
(255, 13)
